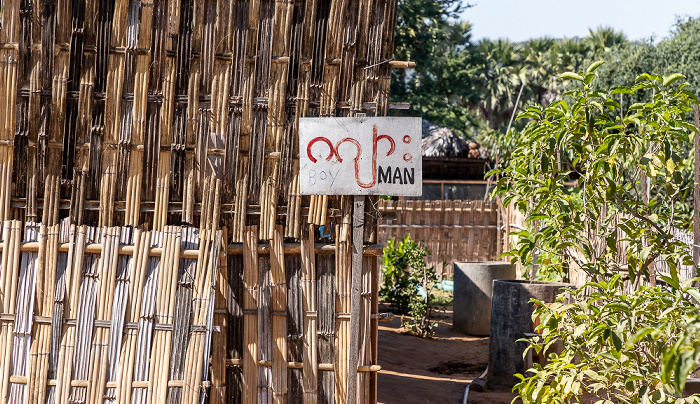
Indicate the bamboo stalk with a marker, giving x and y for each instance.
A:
(250, 320)
(10, 273)
(279, 319)
(44, 306)
(74, 272)
(344, 241)
(219, 340)
(10, 35)
(140, 276)
(112, 367)
(308, 286)
(24, 308)
(146, 321)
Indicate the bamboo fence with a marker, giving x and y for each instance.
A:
(89, 313)
(451, 230)
(155, 248)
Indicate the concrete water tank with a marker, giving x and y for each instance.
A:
(472, 294)
(511, 320)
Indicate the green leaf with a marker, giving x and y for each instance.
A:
(594, 66)
(621, 90)
(571, 76)
(674, 77)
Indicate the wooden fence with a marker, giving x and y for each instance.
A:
(451, 230)
(145, 114)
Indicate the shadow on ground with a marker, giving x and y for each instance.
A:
(437, 370)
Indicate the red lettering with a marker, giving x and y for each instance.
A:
(326, 141)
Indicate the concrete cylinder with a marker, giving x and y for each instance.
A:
(511, 320)
(473, 286)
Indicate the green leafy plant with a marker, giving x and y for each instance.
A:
(622, 348)
(405, 271)
(604, 227)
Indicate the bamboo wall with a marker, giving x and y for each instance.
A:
(451, 230)
(129, 117)
(92, 315)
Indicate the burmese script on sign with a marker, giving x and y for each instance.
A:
(360, 156)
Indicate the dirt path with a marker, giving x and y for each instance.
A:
(437, 370)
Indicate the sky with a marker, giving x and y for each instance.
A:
(520, 20)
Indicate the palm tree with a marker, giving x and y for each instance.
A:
(501, 73)
(536, 55)
(603, 39)
(568, 54)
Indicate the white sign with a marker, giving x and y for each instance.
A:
(360, 156)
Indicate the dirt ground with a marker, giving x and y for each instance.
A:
(437, 370)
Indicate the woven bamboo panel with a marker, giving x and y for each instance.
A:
(133, 112)
(93, 315)
(129, 117)
(451, 230)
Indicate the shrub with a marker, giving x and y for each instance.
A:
(404, 271)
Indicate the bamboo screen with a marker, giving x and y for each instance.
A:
(134, 130)
(112, 315)
(452, 230)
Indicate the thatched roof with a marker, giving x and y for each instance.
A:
(443, 142)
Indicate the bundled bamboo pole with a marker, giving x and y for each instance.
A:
(208, 313)
(24, 310)
(191, 184)
(219, 339)
(202, 72)
(308, 286)
(9, 36)
(146, 325)
(326, 295)
(278, 296)
(343, 287)
(250, 316)
(276, 117)
(103, 312)
(139, 39)
(374, 329)
(86, 114)
(182, 315)
(264, 330)
(75, 267)
(125, 268)
(293, 226)
(44, 306)
(33, 115)
(361, 42)
(52, 180)
(202, 311)
(246, 125)
(88, 306)
(68, 233)
(137, 289)
(168, 86)
(8, 281)
(159, 132)
(165, 308)
(220, 90)
(365, 343)
(124, 107)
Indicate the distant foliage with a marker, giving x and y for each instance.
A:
(471, 87)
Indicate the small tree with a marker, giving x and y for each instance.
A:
(619, 329)
(405, 271)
